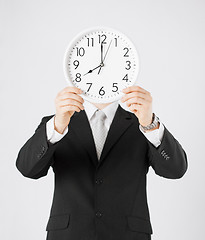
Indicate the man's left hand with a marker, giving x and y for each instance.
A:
(139, 102)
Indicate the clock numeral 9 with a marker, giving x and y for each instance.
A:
(76, 63)
(78, 77)
(89, 86)
(126, 53)
(80, 51)
(101, 91)
(103, 37)
(128, 65)
(115, 87)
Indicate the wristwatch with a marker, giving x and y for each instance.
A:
(155, 121)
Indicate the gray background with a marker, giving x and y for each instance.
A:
(169, 36)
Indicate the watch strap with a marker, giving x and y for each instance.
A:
(155, 121)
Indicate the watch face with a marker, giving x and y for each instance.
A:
(101, 62)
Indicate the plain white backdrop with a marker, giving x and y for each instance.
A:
(169, 36)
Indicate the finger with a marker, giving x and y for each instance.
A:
(71, 89)
(135, 88)
(131, 95)
(71, 108)
(71, 102)
(70, 95)
(135, 107)
(136, 100)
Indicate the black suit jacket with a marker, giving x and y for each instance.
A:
(106, 199)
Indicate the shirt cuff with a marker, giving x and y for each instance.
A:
(155, 136)
(52, 135)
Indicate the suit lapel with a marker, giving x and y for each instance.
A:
(121, 121)
(80, 125)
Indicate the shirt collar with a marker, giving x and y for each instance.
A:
(108, 110)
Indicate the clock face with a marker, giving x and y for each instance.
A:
(101, 62)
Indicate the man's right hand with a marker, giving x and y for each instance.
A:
(67, 102)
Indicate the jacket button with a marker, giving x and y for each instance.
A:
(98, 214)
(98, 181)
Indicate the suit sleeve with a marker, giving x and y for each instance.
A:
(36, 155)
(169, 159)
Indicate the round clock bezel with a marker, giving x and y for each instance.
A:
(73, 43)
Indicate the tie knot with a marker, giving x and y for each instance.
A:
(100, 115)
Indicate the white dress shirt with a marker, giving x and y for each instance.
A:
(155, 136)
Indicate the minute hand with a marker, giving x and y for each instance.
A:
(105, 57)
(102, 52)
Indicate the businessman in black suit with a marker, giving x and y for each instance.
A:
(105, 198)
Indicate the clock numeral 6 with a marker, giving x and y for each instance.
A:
(101, 91)
(78, 77)
(128, 65)
(115, 87)
(80, 51)
(76, 63)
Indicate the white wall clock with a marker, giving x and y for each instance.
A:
(101, 62)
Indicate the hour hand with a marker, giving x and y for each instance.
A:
(90, 71)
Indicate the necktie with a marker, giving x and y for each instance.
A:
(99, 131)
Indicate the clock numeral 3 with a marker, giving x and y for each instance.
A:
(115, 87)
(80, 51)
(78, 77)
(128, 65)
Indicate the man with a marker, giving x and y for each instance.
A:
(100, 183)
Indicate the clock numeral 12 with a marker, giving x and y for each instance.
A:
(103, 37)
